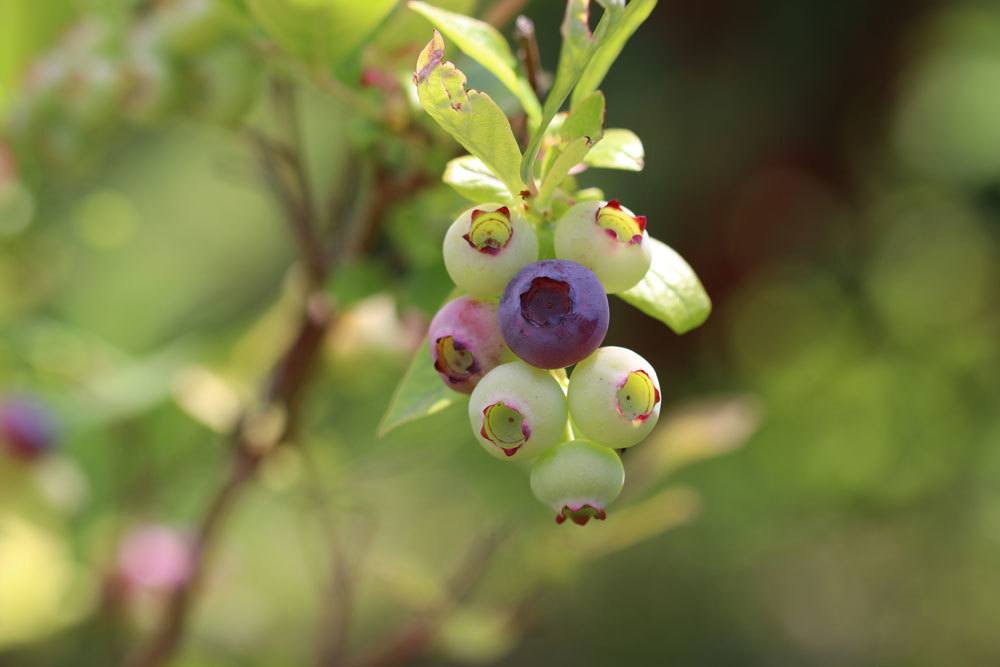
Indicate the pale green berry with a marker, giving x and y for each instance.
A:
(486, 246)
(578, 479)
(517, 411)
(608, 239)
(614, 397)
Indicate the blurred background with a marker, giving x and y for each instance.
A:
(824, 485)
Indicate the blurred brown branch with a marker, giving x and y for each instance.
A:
(283, 167)
(415, 637)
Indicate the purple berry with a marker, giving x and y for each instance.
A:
(554, 313)
(26, 428)
(465, 342)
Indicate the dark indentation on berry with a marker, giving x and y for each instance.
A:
(505, 427)
(580, 514)
(547, 301)
(454, 360)
(490, 231)
(639, 385)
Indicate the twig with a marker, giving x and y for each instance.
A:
(527, 52)
(415, 637)
(283, 387)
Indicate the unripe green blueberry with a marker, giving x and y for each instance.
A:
(578, 479)
(486, 246)
(608, 239)
(614, 397)
(517, 411)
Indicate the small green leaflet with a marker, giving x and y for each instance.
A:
(472, 118)
(619, 149)
(420, 393)
(585, 58)
(578, 133)
(625, 22)
(670, 292)
(472, 179)
(484, 44)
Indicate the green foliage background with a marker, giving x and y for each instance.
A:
(833, 174)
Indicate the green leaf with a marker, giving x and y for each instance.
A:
(670, 292)
(619, 149)
(565, 158)
(584, 59)
(471, 117)
(625, 23)
(586, 120)
(473, 180)
(573, 56)
(578, 133)
(484, 44)
(420, 393)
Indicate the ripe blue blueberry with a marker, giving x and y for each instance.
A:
(614, 397)
(27, 429)
(607, 238)
(578, 479)
(517, 410)
(486, 246)
(554, 313)
(465, 342)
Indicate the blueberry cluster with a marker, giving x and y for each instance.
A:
(522, 321)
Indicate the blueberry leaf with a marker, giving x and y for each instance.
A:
(577, 134)
(419, 394)
(471, 117)
(585, 58)
(670, 291)
(472, 179)
(619, 149)
(484, 44)
(563, 160)
(586, 119)
(625, 21)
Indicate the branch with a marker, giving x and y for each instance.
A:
(414, 638)
(286, 174)
(284, 388)
(527, 52)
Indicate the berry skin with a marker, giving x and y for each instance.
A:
(554, 313)
(26, 429)
(608, 239)
(465, 342)
(517, 411)
(578, 479)
(614, 397)
(486, 246)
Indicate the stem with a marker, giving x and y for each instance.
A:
(415, 637)
(282, 388)
(527, 52)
